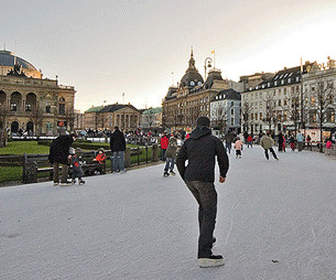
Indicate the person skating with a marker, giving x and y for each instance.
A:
(118, 148)
(249, 141)
(77, 171)
(280, 142)
(300, 140)
(267, 143)
(201, 150)
(292, 143)
(170, 156)
(100, 160)
(228, 141)
(238, 145)
(59, 156)
(164, 145)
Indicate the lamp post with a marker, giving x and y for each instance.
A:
(207, 64)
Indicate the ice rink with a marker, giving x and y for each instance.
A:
(276, 220)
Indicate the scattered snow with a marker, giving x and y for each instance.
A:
(276, 220)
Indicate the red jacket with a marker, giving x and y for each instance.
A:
(249, 138)
(164, 142)
(101, 158)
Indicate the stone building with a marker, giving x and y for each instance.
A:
(225, 111)
(191, 99)
(78, 120)
(125, 116)
(30, 103)
(151, 118)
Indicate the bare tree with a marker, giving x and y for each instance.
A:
(3, 120)
(149, 117)
(245, 115)
(220, 118)
(70, 118)
(321, 98)
(270, 112)
(36, 116)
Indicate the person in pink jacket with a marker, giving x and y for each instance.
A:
(238, 145)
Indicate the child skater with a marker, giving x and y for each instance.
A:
(77, 171)
(238, 145)
(100, 160)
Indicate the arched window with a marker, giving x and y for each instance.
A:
(30, 102)
(2, 98)
(15, 101)
(61, 106)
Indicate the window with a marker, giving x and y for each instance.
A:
(282, 82)
(48, 109)
(260, 116)
(28, 107)
(13, 107)
(276, 83)
(61, 109)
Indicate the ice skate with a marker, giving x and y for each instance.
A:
(81, 182)
(165, 174)
(211, 261)
(172, 173)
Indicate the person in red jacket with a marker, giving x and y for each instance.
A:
(249, 141)
(164, 145)
(100, 159)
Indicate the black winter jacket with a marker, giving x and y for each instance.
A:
(117, 141)
(200, 150)
(59, 149)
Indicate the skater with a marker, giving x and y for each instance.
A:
(170, 156)
(228, 142)
(280, 142)
(267, 143)
(292, 143)
(118, 148)
(249, 141)
(164, 145)
(201, 150)
(308, 140)
(77, 171)
(59, 156)
(100, 160)
(300, 139)
(238, 145)
(284, 143)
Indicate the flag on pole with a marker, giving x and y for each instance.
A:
(301, 66)
(213, 52)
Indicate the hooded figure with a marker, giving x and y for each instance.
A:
(201, 150)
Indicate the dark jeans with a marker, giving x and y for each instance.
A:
(163, 154)
(228, 147)
(169, 164)
(65, 169)
(273, 153)
(206, 197)
(249, 144)
(118, 161)
(300, 146)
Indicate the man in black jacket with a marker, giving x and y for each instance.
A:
(200, 150)
(118, 147)
(59, 156)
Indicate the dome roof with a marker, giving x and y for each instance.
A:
(192, 78)
(214, 74)
(8, 59)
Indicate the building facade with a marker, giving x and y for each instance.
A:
(78, 120)
(225, 111)
(29, 103)
(125, 116)
(151, 118)
(288, 100)
(191, 98)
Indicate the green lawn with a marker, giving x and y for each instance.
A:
(21, 147)
(31, 147)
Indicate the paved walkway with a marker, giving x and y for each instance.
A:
(142, 226)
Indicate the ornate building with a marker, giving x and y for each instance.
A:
(30, 103)
(191, 98)
(125, 116)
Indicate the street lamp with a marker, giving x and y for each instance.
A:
(207, 64)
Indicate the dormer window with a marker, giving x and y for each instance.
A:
(282, 82)
(268, 84)
(289, 80)
(276, 83)
(297, 79)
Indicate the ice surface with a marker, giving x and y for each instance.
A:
(276, 220)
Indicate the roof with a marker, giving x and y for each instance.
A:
(213, 75)
(8, 58)
(153, 110)
(94, 109)
(287, 76)
(227, 94)
(116, 107)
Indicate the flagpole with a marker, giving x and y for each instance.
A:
(214, 53)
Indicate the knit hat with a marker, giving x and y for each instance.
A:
(203, 121)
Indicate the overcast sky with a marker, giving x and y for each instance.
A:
(107, 47)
